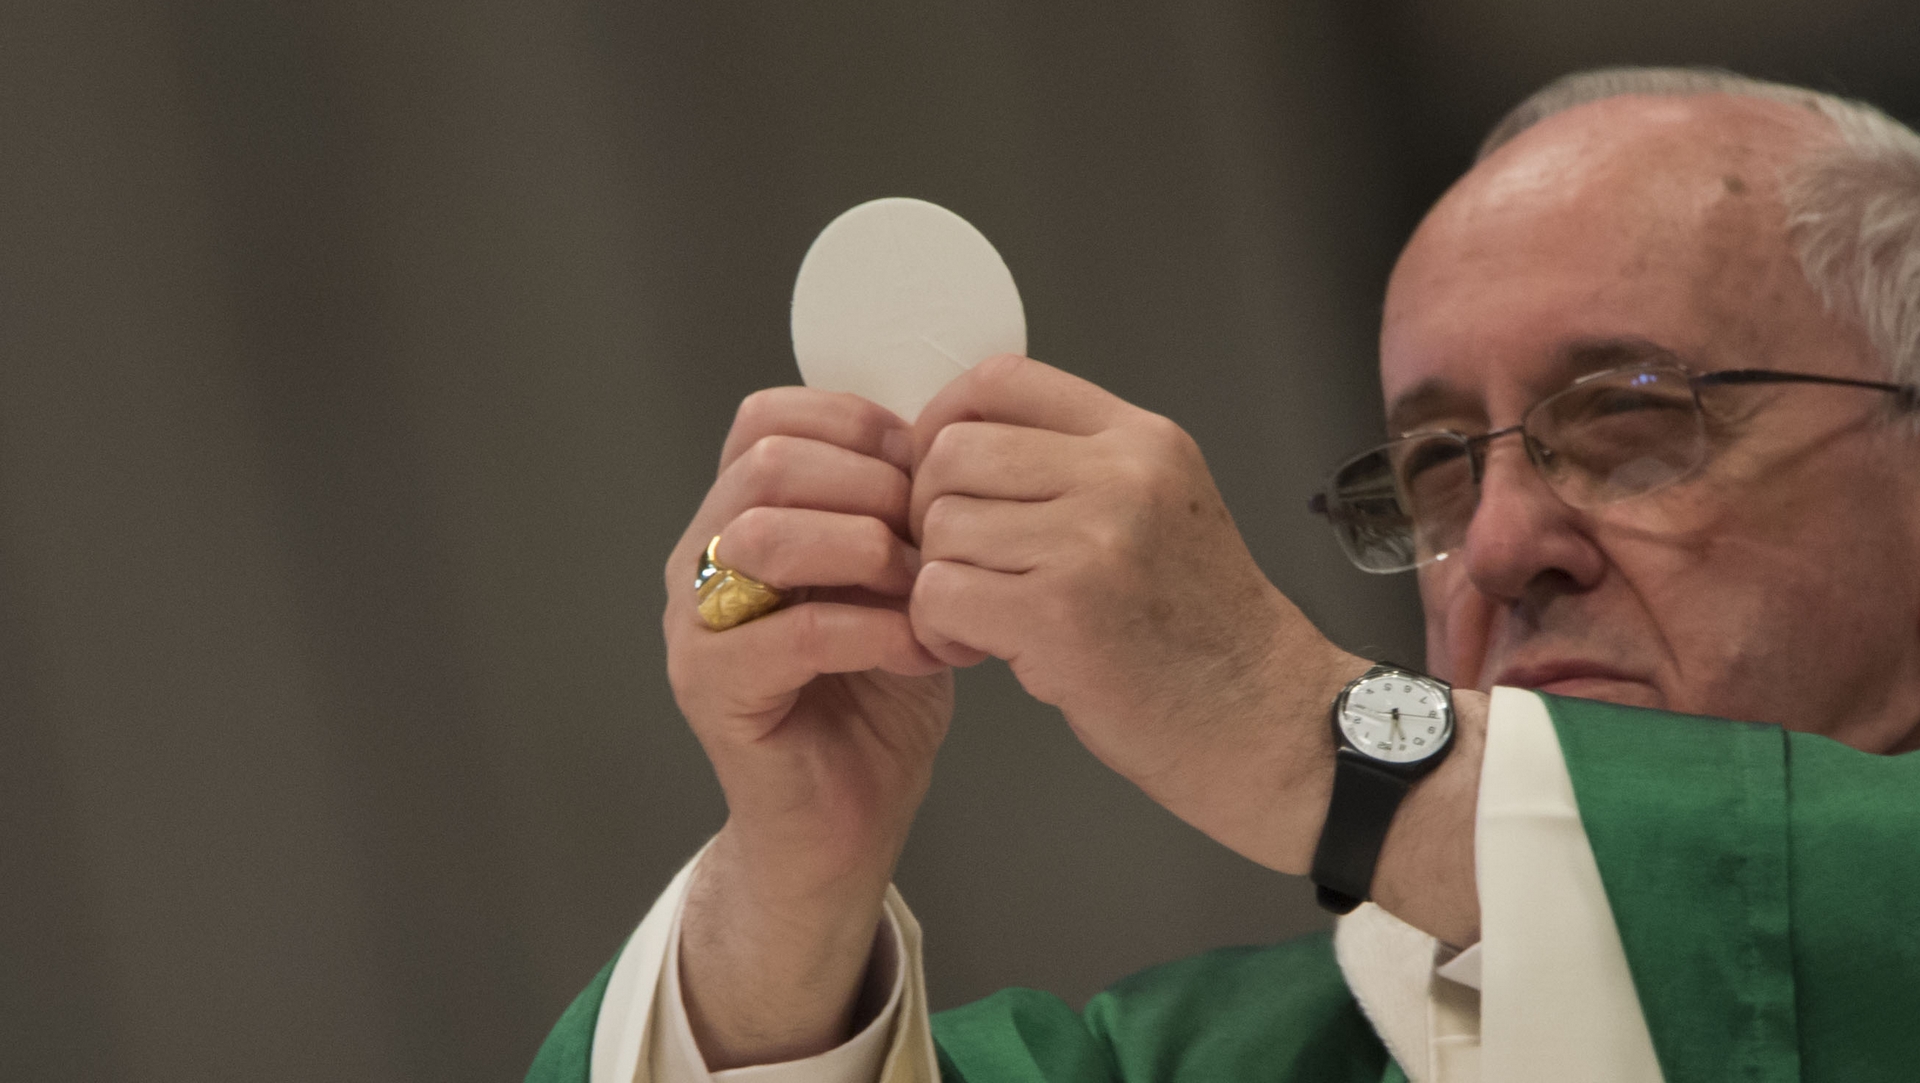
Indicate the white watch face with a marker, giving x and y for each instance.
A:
(1396, 719)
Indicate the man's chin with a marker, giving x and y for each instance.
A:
(1606, 690)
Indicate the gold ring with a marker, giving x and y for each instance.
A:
(728, 597)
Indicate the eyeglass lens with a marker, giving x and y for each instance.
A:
(1607, 437)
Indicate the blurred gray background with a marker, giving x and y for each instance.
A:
(359, 362)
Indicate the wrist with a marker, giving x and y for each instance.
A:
(1425, 874)
(1391, 727)
(770, 974)
(1285, 775)
(811, 889)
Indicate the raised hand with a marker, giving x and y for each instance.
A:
(821, 719)
(1082, 540)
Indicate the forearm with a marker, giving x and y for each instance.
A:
(1263, 793)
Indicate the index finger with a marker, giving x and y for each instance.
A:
(1017, 390)
(831, 417)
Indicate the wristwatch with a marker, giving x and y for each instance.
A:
(1391, 725)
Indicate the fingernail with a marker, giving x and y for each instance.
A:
(897, 448)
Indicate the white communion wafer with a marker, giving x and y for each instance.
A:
(898, 296)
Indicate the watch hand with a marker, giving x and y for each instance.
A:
(1375, 715)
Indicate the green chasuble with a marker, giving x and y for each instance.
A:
(1280, 1014)
(1766, 886)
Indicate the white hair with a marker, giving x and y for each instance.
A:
(1853, 209)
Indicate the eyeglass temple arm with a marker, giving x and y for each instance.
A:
(1909, 395)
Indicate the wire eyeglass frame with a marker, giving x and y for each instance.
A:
(1633, 434)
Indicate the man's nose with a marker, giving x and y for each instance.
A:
(1521, 531)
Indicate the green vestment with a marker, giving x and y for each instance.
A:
(1766, 886)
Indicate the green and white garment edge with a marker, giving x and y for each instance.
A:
(1557, 999)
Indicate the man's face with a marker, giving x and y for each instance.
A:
(1779, 583)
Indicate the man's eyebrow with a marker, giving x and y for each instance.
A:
(1438, 397)
(1584, 355)
(1430, 398)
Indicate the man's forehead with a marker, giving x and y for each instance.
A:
(1644, 143)
(1615, 230)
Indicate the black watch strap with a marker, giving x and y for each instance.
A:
(1365, 798)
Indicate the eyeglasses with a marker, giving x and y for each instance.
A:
(1606, 437)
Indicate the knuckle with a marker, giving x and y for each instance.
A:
(770, 452)
(1166, 447)
(1106, 542)
(1154, 481)
(999, 368)
(759, 411)
(1164, 431)
(753, 535)
(1133, 465)
(932, 587)
(940, 516)
(949, 444)
(875, 539)
(765, 465)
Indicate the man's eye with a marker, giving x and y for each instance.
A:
(1430, 456)
(1614, 401)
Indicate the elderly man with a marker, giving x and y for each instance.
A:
(1651, 364)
